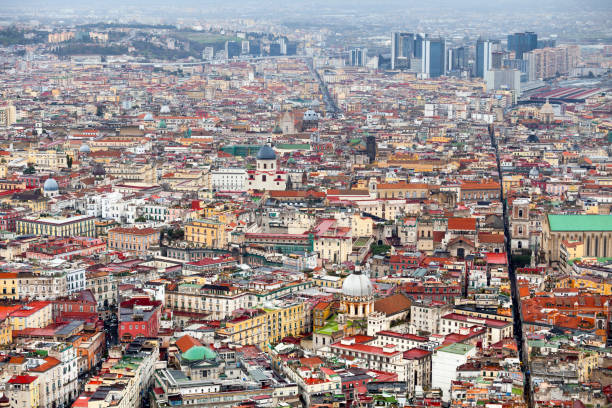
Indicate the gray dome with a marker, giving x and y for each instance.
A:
(50, 185)
(98, 170)
(357, 285)
(85, 148)
(310, 115)
(149, 117)
(266, 153)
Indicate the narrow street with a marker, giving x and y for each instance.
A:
(516, 304)
(330, 105)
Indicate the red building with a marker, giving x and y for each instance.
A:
(8, 218)
(81, 306)
(433, 290)
(139, 317)
(400, 263)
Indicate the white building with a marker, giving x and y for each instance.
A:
(230, 179)
(57, 373)
(267, 176)
(75, 280)
(444, 365)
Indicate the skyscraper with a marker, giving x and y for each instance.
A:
(457, 58)
(402, 49)
(486, 50)
(521, 43)
(232, 49)
(433, 61)
(359, 57)
(418, 46)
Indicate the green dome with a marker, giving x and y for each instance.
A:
(199, 353)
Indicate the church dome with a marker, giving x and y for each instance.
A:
(84, 148)
(310, 116)
(547, 109)
(50, 185)
(98, 170)
(198, 353)
(357, 285)
(266, 153)
(149, 117)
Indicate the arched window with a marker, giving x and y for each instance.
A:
(596, 246)
(605, 247)
(588, 248)
(265, 165)
(520, 244)
(263, 178)
(521, 213)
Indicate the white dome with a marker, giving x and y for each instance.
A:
(84, 148)
(357, 285)
(50, 185)
(149, 117)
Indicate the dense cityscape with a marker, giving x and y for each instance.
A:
(326, 204)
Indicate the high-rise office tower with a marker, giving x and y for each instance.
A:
(232, 49)
(496, 59)
(246, 47)
(521, 43)
(457, 58)
(359, 57)
(433, 60)
(418, 46)
(402, 50)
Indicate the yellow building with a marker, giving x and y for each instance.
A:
(327, 281)
(402, 190)
(362, 226)
(510, 182)
(591, 284)
(6, 332)
(320, 313)
(247, 329)
(79, 225)
(49, 160)
(23, 391)
(284, 321)
(31, 199)
(9, 288)
(206, 232)
(266, 326)
(38, 314)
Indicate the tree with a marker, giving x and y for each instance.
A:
(30, 169)
(69, 161)
(99, 110)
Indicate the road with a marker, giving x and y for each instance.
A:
(330, 104)
(516, 303)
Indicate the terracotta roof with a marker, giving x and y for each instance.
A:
(393, 304)
(49, 363)
(488, 238)
(456, 223)
(186, 342)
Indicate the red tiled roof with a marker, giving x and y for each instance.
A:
(464, 224)
(186, 342)
(22, 379)
(415, 353)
